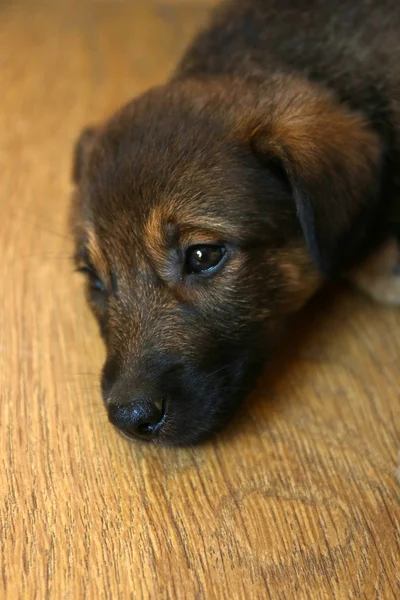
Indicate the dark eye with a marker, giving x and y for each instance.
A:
(200, 259)
(95, 283)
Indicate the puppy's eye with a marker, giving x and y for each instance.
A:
(95, 283)
(200, 259)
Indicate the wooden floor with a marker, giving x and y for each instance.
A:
(298, 499)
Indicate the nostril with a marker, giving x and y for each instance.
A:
(138, 418)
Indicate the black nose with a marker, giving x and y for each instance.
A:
(139, 418)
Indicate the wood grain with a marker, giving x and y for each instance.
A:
(298, 499)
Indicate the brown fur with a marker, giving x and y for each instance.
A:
(279, 152)
(378, 276)
(311, 132)
(301, 277)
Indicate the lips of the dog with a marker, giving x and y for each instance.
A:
(210, 209)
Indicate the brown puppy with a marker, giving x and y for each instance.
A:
(210, 209)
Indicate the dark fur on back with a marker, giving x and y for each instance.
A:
(278, 140)
(349, 46)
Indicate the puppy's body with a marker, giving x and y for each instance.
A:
(350, 46)
(271, 158)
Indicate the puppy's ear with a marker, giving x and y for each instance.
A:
(332, 161)
(82, 149)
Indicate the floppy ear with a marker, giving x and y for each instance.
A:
(81, 151)
(332, 161)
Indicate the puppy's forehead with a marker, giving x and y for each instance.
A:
(136, 191)
(158, 162)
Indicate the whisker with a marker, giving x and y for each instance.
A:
(206, 429)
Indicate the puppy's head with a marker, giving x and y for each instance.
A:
(205, 215)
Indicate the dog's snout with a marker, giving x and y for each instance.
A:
(141, 417)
